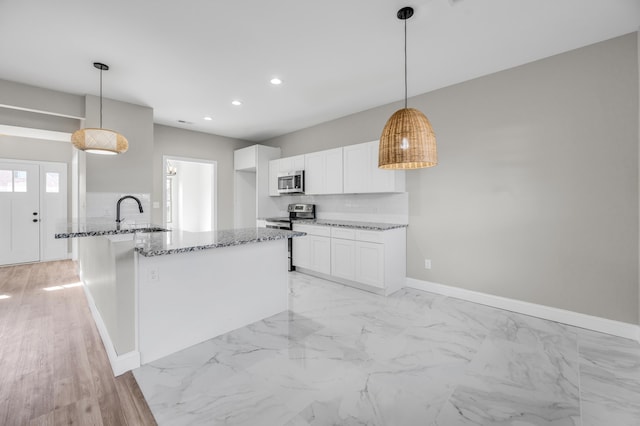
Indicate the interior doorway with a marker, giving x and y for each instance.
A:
(190, 194)
(33, 206)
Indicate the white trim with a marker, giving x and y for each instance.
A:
(28, 132)
(119, 363)
(37, 162)
(590, 322)
(41, 111)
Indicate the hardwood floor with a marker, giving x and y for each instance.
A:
(53, 367)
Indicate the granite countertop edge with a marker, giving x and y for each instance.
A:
(109, 231)
(151, 252)
(370, 226)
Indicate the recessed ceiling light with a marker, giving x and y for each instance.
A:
(207, 118)
(236, 102)
(275, 81)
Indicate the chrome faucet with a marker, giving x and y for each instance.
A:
(118, 220)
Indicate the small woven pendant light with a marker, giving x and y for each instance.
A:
(100, 141)
(407, 140)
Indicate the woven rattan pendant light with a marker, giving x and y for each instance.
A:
(407, 140)
(100, 141)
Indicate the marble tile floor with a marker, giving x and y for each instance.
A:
(341, 356)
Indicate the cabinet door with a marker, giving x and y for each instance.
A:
(370, 263)
(320, 254)
(381, 180)
(286, 165)
(274, 169)
(356, 168)
(301, 251)
(245, 158)
(297, 162)
(314, 173)
(333, 171)
(343, 258)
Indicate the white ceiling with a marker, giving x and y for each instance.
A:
(189, 59)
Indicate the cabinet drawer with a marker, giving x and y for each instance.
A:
(323, 231)
(345, 234)
(370, 236)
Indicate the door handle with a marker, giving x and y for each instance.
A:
(35, 213)
(35, 220)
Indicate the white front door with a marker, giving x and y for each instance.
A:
(19, 213)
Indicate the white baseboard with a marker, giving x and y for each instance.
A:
(590, 322)
(119, 363)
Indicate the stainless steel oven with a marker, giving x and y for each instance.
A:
(296, 211)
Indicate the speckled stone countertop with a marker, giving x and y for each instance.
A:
(98, 227)
(370, 226)
(161, 243)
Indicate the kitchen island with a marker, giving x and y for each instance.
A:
(155, 293)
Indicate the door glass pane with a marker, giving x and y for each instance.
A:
(53, 182)
(169, 207)
(6, 181)
(19, 181)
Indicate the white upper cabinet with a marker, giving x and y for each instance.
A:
(274, 169)
(245, 159)
(283, 165)
(361, 172)
(351, 169)
(357, 163)
(323, 172)
(291, 164)
(251, 185)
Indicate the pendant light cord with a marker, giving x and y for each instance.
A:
(405, 64)
(101, 96)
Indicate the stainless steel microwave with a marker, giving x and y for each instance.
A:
(291, 182)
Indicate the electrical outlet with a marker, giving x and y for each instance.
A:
(154, 274)
(427, 264)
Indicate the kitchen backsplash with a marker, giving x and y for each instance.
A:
(103, 205)
(386, 208)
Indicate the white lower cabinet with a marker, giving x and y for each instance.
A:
(320, 253)
(343, 259)
(301, 251)
(373, 260)
(313, 251)
(369, 263)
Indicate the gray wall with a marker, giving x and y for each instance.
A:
(536, 194)
(130, 172)
(18, 118)
(177, 142)
(38, 99)
(19, 148)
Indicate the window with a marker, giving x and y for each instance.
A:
(19, 181)
(52, 182)
(6, 181)
(13, 181)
